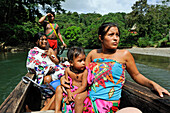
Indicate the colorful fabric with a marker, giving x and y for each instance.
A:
(38, 62)
(69, 108)
(100, 106)
(52, 43)
(106, 79)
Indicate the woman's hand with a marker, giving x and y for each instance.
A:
(64, 82)
(66, 100)
(160, 89)
(49, 52)
(50, 70)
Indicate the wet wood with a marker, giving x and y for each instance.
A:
(134, 95)
(14, 102)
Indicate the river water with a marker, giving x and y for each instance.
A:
(12, 68)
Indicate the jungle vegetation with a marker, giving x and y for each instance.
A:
(146, 26)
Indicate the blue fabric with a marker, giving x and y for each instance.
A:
(55, 83)
(108, 79)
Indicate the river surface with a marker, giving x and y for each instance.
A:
(12, 68)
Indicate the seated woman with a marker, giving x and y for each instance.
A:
(43, 62)
(106, 67)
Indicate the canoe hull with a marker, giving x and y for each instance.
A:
(133, 95)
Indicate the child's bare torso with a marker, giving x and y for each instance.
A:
(76, 78)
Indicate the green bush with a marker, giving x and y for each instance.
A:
(143, 42)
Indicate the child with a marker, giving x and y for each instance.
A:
(77, 75)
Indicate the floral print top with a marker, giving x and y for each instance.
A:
(38, 62)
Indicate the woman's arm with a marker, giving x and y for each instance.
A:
(64, 82)
(89, 57)
(70, 96)
(52, 56)
(138, 77)
(66, 77)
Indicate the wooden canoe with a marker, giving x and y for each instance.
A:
(133, 95)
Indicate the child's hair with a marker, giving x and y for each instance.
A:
(74, 52)
(38, 36)
(102, 30)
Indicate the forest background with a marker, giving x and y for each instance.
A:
(146, 26)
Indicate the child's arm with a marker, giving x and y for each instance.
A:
(84, 83)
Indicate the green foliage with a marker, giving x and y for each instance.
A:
(19, 34)
(20, 23)
(72, 34)
(143, 42)
(152, 22)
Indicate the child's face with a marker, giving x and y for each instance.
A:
(79, 62)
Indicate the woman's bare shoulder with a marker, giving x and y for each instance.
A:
(124, 52)
(93, 51)
(126, 55)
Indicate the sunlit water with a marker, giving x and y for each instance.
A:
(12, 68)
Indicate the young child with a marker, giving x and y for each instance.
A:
(77, 75)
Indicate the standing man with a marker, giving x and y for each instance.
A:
(52, 31)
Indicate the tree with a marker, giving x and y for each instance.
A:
(72, 34)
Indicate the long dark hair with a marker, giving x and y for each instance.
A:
(38, 36)
(102, 28)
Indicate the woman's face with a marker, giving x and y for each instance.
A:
(42, 42)
(111, 38)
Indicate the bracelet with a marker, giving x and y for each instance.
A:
(63, 42)
(53, 56)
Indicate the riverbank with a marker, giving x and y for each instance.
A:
(145, 51)
(151, 51)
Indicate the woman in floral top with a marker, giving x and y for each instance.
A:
(43, 62)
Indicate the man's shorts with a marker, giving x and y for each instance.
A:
(52, 43)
